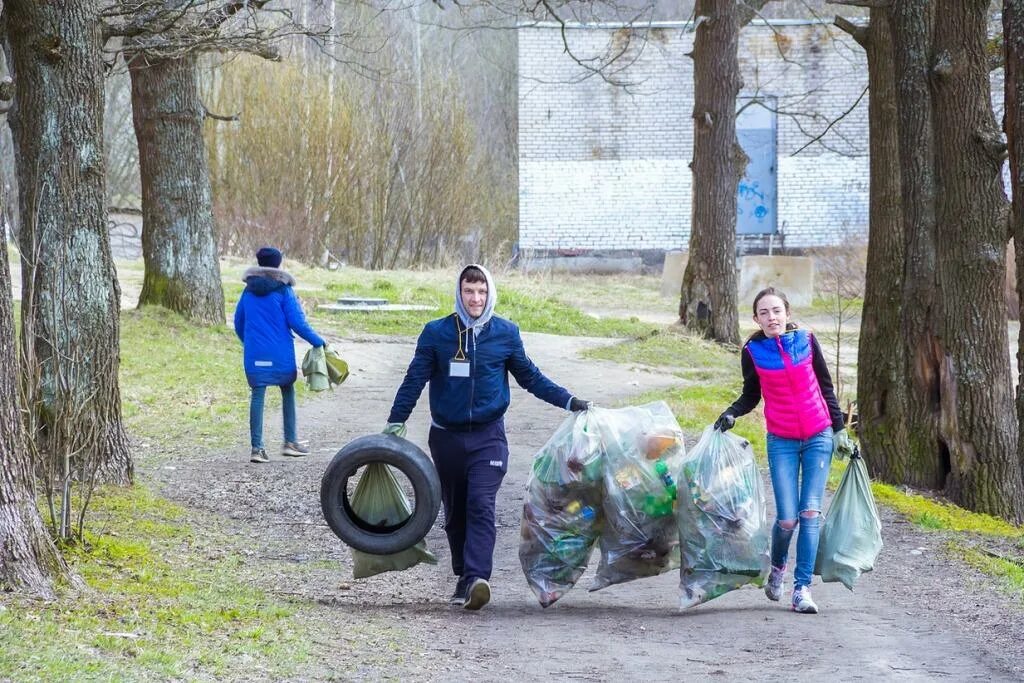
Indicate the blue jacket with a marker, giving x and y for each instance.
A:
(265, 317)
(493, 350)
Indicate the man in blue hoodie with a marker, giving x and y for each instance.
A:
(467, 357)
(265, 317)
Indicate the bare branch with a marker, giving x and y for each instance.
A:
(221, 117)
(857, 32)
(875, 4)
(832, 123)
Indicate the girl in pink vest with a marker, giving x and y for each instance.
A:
(784, 366)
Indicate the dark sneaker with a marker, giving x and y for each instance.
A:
(458, 598)
(802, 601)
(259, 455)
(478, 594)
(294, 449)
(773, 586)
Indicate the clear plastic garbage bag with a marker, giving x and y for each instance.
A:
(722, 519)
(851, 535)
(379, 499)
(643, 449)
(562, 514)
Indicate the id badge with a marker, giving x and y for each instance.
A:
(459, 368)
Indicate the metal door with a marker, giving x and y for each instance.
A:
(756, 206)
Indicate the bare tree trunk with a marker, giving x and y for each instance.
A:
(70, 303)
(978, 424)
(925, 463)
(707, 301)
(881, 364)
(29, 561)
(1013, 42)
(179, 245)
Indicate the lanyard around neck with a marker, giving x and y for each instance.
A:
(460, 354)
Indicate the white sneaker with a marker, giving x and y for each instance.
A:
(802, 601)
(478, 594)
(294, 449)
(773, 586)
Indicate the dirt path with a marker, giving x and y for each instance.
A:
(915, 618)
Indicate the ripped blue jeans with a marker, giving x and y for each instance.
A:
(799, 470)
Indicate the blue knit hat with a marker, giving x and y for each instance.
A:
(269, 257)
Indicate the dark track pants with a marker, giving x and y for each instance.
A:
(471, 466)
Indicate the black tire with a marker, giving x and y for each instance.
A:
(401, 454)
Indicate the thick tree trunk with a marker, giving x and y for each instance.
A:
(29, 561)
(881, 364)
(925, 463)
(70, 327)
(178, 241)
(978, 424)
(1013, 42)
(707, 301)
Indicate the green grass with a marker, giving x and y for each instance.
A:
(520, 299)
(1009, 571)
(164, 601)
(933, 514)
(181, 382)
(687, 356)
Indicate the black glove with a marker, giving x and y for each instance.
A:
(576, 405)
(725, 422)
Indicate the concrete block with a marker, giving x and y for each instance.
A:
(794, 275)
(672, 273)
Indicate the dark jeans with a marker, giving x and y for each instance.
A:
(256, 414)
(471, 466)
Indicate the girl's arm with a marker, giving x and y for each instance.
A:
(825, 382)
(751, 395)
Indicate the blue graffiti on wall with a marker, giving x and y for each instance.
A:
(750, 191)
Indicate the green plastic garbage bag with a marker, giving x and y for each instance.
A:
(851, 536)
(379, 499)
(562, 515)
(323, 368)
(722, 516)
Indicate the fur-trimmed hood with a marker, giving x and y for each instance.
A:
(261, 280)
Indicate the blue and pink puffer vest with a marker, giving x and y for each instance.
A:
(793, 405)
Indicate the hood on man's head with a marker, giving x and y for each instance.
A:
(492, 298)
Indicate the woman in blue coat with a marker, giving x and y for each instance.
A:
(266, 315)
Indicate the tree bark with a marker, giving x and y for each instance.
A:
(29, 561)
(1013, 46)
(881, 364)
(70, 295)
(708, 302)
(925, 463)
(179, 244)
(977, 423)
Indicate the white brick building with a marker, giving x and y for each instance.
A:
(605, 167)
